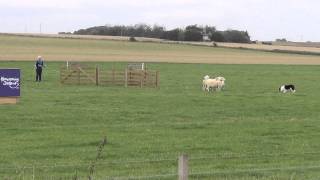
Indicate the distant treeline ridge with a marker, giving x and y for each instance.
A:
(190, 33)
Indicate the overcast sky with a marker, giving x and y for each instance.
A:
(295, 20)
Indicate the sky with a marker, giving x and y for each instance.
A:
(295, 20)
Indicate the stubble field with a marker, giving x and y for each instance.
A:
(63, 49)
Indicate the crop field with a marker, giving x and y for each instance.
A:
(248, 131)
(59, 49)
(276, 46)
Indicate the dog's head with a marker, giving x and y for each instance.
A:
(282, 89)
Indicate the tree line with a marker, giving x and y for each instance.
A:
(189, 33)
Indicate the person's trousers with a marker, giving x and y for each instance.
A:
(39, 73)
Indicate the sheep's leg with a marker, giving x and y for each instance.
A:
(208, 88)
(204, 87)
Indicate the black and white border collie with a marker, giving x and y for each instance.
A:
(287, 88)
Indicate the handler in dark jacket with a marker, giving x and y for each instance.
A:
(39, 66)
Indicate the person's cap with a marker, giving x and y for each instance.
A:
(39, 57)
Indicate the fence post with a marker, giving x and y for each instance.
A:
(23, 173)
(97, 76)
(183, 167)
(32, 172)
(126, 78)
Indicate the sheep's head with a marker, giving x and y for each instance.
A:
(206, 77)
(220, 78)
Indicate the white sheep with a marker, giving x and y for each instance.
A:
(222, 82)
(213, 84)
(206, 77)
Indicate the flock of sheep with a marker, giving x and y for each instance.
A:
(218, 83)
(215, 84)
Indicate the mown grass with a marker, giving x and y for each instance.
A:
(248, 131)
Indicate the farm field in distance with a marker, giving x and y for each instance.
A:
(62, 49)
(248, 131)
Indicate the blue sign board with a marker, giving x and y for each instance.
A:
(9, 82)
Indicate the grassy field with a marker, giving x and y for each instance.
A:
(248, 131)
(59, 49)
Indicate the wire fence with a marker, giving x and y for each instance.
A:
(139, 161)
(201, 167)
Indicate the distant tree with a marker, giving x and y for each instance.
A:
(64, 33)
(158, 32)
(173, 35)
(281, 40)
(193, 33)
(190, 33)
(142, 30)
(266, 42)
(217, 36)
(181, 35)
(236, 36)
(80, 32)
(209, 30)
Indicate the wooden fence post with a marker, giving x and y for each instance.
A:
(33, 173)
(183, 167)
(23, 173)
(97, 76)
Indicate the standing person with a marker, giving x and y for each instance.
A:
(39, 66)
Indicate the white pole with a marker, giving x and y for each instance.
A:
(183, 167)
(33, 173)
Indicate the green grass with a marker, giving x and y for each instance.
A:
(247, 131)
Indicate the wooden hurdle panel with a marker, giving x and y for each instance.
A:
(142, 78)
(78, 75)
(83, 75)
(112, 77)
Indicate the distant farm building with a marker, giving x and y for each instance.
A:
(206, 37)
